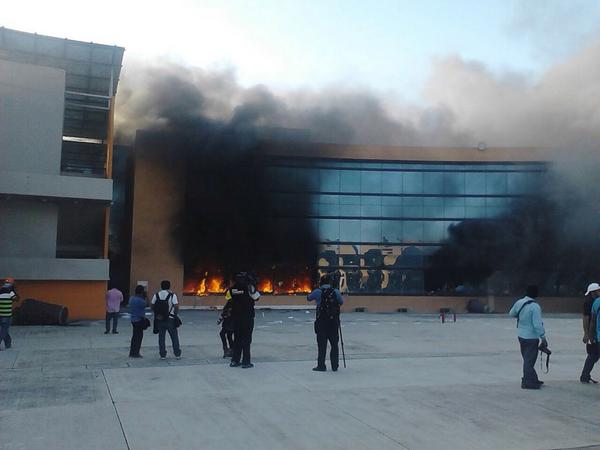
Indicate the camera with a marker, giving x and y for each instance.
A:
(544, 349)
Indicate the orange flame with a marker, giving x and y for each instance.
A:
(265, 287)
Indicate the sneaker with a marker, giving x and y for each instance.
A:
(540, 382)
(588, 381)
(530, 386)
(135, 356)
(320, 369)
(163, 357)
(115, 332)
(247, 366)
(178, 357)
(234, 364)
(106, 332)
(226, 354)
(334, 369)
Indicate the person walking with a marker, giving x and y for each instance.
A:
(531, 334)
(243, 295)
(137, 306)
(166, 310)
(8, 297)
(114, 298)
(591, 344)
(327, 322)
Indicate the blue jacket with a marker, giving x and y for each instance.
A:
(137, 306)
(530, 320)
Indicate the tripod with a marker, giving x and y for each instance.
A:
(342, 342)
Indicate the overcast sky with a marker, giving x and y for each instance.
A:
(384, 45)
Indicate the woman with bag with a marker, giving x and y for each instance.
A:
(139, 322)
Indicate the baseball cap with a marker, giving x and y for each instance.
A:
(592, 287)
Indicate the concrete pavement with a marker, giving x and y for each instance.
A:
(411, 382)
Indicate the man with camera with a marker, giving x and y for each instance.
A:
(589, 339)
(242, 295)
(531, 334)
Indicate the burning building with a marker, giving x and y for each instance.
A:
(208, 204)
(56, 139)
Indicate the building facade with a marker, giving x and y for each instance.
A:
(56, 137)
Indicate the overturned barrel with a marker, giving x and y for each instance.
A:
(35, 312)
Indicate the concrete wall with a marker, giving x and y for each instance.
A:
(159, 190)
(28, 228)
(31, 117)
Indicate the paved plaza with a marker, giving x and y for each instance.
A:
(410, 383)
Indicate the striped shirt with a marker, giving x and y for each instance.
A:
(6, 301)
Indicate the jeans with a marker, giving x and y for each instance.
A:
(242, 338)
(4, 336)
(593, 354)
(163, 327)
(115, 318)
(529, 351)
(136, 338)
(328, 332)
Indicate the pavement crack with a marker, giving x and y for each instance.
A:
(116, 410)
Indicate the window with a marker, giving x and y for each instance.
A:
(370, 230)
(391, 182)
(412, 231)
(349, 181)
(370, 181)
(475, 183)
(350, 230)
(329, 180)
(413, 183)
(329, 229)
(391, 230)
(433, 182)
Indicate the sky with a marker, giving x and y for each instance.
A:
(386, 46)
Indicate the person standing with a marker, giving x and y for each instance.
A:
(137, 305)
(166, 310)
(531, 333)
(591, 344)
(243, 295)
(8, 297)
(327, 322)
(114, 298)
(226, 333)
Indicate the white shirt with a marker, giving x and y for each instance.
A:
(172, 301)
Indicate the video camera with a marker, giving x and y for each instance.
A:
(247, 278)
(544, 348)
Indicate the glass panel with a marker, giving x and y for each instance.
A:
(433, 231)
(413, 183)
(495, 183)
(370, 181)
(329, 229)
(454, 207)
(454, 183)
(370, 230)
(329, 180)
(412, 231)
(349, 181)
(391, 182)
(391, 211)
(350, 230)
(391, 230)
(307, 179)
(475, 183)
(517, 182)
(433, 182)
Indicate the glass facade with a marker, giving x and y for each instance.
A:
(377, 222)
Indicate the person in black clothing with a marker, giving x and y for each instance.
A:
(242, 295)
(591, 346)
(226, 332)
(327, 322)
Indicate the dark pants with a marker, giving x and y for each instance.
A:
(136, 338)
(529, 351)
(327, 332)
(4, 327)
(242, 338)
(115, 318)
(593, 353)
(226, 338)
(163, 327)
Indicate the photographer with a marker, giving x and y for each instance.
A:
(242, 294)
(589, 339)
(531, 333)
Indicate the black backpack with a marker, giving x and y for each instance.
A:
(329, 308)
(161, 307)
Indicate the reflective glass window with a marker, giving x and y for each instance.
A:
(475, 183)
(454, 207)
(329, 229)
(412, 231)
(350, 181)
(370, 181)
(433, 182)
(412, 183)
(307, 179)
(391, 230)
(454, 183)
(496, 183)
(412, 207)
(350, 230)
(433, 231)
(391, 182)
(329, 180)
(391, 211)
(370, 230)
(517, 183)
